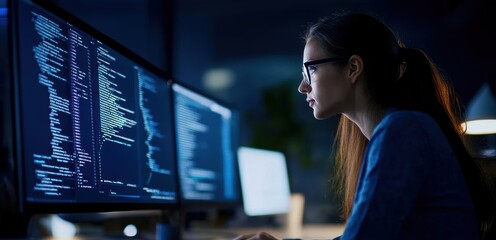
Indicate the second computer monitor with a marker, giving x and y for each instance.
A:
(205, 153)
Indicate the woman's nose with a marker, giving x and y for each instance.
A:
(304, 87)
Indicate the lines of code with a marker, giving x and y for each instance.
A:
(54, 169)
(203, 132)
(196, 182)
(153, 133)
(81, 94)
(96, 126)
(115, 115)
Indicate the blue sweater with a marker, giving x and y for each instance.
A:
(410, 184)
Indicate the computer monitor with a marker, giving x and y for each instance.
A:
(264, 181)
(205, 134)
(93, 120)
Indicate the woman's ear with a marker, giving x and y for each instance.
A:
(355, 68)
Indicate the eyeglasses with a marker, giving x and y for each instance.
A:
(306, 72)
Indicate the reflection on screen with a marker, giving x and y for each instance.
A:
(96, 126)
(204, 147)
(264, 181)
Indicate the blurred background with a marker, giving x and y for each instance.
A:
(249, 55)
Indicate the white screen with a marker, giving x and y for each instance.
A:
(264, 181)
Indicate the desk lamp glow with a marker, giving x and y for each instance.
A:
(480, 124)
(481, 113)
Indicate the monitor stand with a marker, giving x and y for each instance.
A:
(169, 228)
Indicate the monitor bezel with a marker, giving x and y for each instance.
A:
(27, 207)
(189, 204)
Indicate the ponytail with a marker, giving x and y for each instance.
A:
(422, 88)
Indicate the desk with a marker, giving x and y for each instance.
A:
(310, 232)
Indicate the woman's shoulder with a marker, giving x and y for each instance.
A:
(407, 118)
(416, 130)
(407, 121)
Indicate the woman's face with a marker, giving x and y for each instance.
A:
(329, 90)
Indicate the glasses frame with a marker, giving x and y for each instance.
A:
(306, 77)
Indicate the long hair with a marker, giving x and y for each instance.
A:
(351, 144)
(421, 87)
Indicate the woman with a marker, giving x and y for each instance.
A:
(402, 165)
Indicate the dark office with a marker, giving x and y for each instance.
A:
(247, 120)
